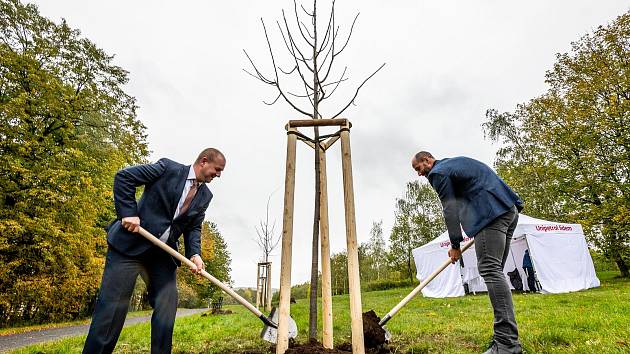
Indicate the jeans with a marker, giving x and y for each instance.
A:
(492, 245)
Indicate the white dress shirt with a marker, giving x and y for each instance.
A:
(189, 182)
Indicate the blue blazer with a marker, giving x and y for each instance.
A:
(471, 194)
(163, 186)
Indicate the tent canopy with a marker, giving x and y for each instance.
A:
(558, 251)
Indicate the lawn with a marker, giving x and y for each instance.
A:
(591, 321)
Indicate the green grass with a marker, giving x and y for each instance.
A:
(591, 321)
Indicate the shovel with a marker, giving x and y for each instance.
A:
(269, 332)
(415, 291)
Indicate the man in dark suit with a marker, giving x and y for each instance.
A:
(474, 197)
(173, 203)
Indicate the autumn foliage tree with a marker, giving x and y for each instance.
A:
(217, 261)
(567, 152)
(66, 126)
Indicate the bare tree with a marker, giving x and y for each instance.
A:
(311, 60)
(267, 240)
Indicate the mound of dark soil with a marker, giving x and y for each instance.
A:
(373, 333)
(373, 337)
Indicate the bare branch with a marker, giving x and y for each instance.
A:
(331, 49)
(329, 28)
(274, 101)
(289, 48)
(292, 49)
(293, 44)
(335, 82)
(307, 32)
(308, 13)
(300, 23)
(309, 96)
(259, 76)
(349, 35)
(300, 96)
(288, 72)
(341, 79)
(332, 59)
(275, 68)
(357, 91)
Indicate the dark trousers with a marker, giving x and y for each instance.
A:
(119, 278)
(531, 278)
(492, 245)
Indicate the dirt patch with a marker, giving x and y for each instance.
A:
(373, 333)
(312, 347)
(216, 312)
(373, 337)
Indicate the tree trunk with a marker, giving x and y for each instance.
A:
(312, 312)
(623, 267)
(409, 265)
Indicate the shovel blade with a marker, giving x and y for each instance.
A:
(388, 335)
(270, 334)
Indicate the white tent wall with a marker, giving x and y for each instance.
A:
(562, 262)
(558, 251)
(430, 257)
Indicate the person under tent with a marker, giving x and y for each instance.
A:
(528, 267)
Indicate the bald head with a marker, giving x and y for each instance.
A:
(209, 165)
(211, 154)
(422, 162)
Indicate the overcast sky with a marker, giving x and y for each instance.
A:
(447, 61)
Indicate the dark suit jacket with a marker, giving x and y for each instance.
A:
(163, 185)
(471, 194)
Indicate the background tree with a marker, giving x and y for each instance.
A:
(567, 152)
(418, 220)
(66, 126)
(306, 82)
(266, 232)
(339, 270)
(194, 290)
(373, 255)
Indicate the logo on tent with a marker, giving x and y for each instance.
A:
(448, 243)
(547, 228)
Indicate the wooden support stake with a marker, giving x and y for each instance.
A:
(287, 240)
(269, 290)
(258, 287)
(317, 122)
(353, 253)
(328, 143)
(327, 320)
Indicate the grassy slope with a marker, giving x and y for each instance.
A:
(592, 321)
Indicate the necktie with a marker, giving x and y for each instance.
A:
(189, 197)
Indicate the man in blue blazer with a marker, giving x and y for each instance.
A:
(173, 203)
(474, 197)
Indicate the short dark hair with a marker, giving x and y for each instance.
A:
(423, 155)
(210, 154)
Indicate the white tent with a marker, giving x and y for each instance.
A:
(558, 251)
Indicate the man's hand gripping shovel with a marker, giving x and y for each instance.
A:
(415, 291)
(269, 332)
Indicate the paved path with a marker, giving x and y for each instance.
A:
(14, 341)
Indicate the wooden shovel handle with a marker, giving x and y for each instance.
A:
(420, 286)
(146, 234)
